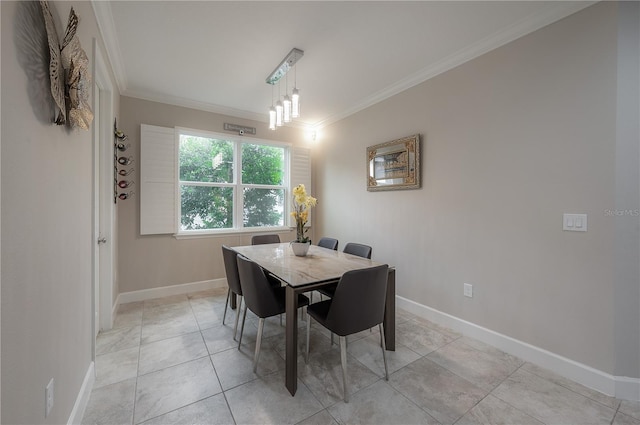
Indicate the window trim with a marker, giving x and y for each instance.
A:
(237, 185)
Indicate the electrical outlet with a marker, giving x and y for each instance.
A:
(468, 290)
(48, 395)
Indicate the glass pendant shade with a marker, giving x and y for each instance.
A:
(287, 107)
(279, 113)
(295, 103)
(286, 103)
(272, 118)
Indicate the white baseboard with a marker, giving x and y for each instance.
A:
(617, 386)
(83, 396)
(165, 291)
(627, 388)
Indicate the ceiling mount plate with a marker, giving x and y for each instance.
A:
(284, 67)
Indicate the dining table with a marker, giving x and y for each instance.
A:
(320, 267)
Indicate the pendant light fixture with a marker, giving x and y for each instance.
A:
(295, 103)
(286, 102)
(272, 113)
(287, 107)
(272, 118)
(279, 110)
(279, 113)
(295, 96)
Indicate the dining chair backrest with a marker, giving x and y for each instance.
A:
(259, 295)
(358, 249)
(230, 258)
(364, 288)
(264, 239)
(329, 243)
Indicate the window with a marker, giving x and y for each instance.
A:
(194, 183)
(230, 184)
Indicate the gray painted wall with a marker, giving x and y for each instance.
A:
(46, 189)
(511, 141)
(627, 250)
(146, 262)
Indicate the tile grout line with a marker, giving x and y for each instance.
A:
(521, 367)
(135, 387)
(618, 402)
(426, 356)
(208, 355)
(395, 372)
(223, 392)
(403, 394)
(490, 393)
(615, 414)
(509, 404)
(406, 397)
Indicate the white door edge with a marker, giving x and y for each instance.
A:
(104, 207)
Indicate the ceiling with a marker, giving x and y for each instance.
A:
(215, 56)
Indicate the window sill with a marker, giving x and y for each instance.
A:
(199, 234)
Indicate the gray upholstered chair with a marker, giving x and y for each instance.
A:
(264, 239)
(358, 249)
(351, 248)
(233, 280)
(349, 311)
(329, 243)
(261, 298)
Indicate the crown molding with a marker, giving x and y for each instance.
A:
(557, 11)
(195, 104)
(104, 18)
(207, 107)
(519, 29)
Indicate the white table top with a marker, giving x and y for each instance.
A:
(320, 264)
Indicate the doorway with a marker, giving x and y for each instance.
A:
(103, 242)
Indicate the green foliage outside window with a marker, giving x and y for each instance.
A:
(263, 165)
(207, 184)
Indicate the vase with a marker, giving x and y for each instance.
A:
(300, 249)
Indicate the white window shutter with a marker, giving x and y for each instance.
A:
(157, 180)
(300, 173)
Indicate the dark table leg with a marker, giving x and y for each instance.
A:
(291, 372)
(390, 312)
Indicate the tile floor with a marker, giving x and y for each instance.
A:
(171, 361)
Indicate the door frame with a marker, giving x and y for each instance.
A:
(103, 266)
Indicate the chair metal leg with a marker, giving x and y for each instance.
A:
(306, 357)
(226, 305)
(384, 355)
(258, 343)
(244, 316)
(239, 309)
(343, 360)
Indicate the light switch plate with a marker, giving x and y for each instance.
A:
(468, 290)
(574, 222)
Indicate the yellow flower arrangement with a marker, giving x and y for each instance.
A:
(302, 203)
